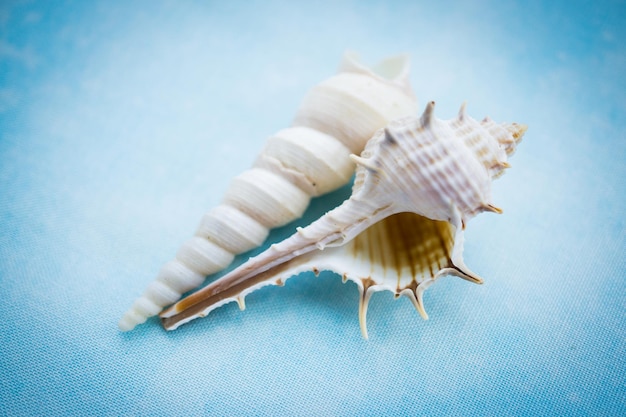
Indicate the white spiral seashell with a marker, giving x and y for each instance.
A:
(418, 182)
(310, 158)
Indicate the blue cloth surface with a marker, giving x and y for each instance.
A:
(121, 124)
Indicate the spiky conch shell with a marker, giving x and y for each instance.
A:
(418, 182)
(309, 159)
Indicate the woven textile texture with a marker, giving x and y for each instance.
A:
(121, 123)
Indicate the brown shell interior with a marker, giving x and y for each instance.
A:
(406, 248)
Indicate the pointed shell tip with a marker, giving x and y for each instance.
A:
(428, 114)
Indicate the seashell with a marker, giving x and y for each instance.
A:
(418, 182)
(309, 159)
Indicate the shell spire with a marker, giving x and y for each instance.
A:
(309, 159)
(418, 181)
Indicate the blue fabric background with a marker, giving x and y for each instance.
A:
(120, 124)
